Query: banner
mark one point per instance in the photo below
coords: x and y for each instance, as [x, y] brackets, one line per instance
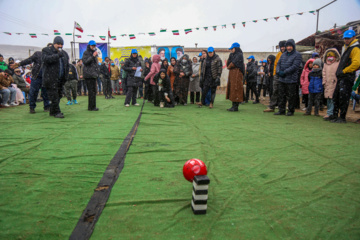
[170, 51]
[101, 48]
[119, 54]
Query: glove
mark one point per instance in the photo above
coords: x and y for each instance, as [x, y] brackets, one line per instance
[282, 74]
[60, 53]
[217, 81]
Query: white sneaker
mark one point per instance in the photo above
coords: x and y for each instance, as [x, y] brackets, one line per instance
[13, 104]
[162, 104]
[5, 105]
[127, 105]
[304, 109]
[136, 104]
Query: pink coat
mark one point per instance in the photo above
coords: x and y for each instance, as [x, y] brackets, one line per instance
[329, 74]
[155, 68]
[304, 79]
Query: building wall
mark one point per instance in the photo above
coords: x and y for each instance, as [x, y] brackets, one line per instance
[224, 55]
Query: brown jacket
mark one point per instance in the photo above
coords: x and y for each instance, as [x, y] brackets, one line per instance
[80, 71]
[4, 83]
[115, 73]
[235, 89]
[171, 74]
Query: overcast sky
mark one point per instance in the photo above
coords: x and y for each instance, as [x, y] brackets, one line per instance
[136, 16]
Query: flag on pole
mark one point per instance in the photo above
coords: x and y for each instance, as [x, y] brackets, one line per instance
[233, 25]
[132, 36]
[68, 34]
[214, 27]
[152, 34]
[78, 36]
[206, 28]
[91, 35]
[189, 30]
[102, 37]
[276, 18]
[313, 12]
[109, 35]
[243, 23]
[56, 32]
[265, 19]
[78, 27]
[7, 33]
[32, 35]
[300, 13]
[113, 38]
[287, 17]
[223, 26]
[255, 21]
[163, 30]
[175, 32]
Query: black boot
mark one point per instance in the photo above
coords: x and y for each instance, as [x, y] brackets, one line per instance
[232, 108]
[236, 107]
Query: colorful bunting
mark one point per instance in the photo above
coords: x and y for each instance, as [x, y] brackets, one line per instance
[276, 18]
[287, 17]
[163, 30]
[175, 32]
[78, 36]
[132, 36]
[19, 33]
[313, 12]
[265, 19]
[7, 33]
[113, 38]
[78, 27]
[233, 25]
[197, 28]
[68, 34]
[45, 34]
[56, 32]
[32, 35]
[152, 34]
[214, 27]
[206, 28]
[188, 31]
[223, 26]
[102, 37]
[255, 21]
[90, 35]
[300, 13]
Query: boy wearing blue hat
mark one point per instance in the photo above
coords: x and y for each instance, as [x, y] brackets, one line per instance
[349, 63]
[251, 79]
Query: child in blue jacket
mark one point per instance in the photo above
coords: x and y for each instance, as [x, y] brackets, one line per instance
[315, 87]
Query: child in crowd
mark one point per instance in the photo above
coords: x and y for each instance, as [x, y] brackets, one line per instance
[315, 87]
[163, 84]
[304, 81]
[331, 63]
[27, 76]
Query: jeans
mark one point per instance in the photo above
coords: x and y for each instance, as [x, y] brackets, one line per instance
[115, 86]
[98, 84]
[36, 85]
[8, 93]
[330, 106]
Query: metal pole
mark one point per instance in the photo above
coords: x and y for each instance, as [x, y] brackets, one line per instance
[318, 12]
[108, 47]
[74, 43]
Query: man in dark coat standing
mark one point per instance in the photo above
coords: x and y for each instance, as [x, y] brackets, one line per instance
[55, 73]
[91, 73]
[105, 71]
[251, 79]
[131, 66]
[36, 82]
[288, 71]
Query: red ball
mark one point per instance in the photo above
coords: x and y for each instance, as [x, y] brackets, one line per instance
[194, 167]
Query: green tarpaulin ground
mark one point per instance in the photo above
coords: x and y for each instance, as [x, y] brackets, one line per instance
[272, 177]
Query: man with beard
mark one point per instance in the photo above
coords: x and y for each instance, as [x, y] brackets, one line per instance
[131, 65]
[36, 82]
[105, 71]
[55, 73]
[91, 73]
[251, 79]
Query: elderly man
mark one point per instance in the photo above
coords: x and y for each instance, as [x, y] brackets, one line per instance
[55, 73]
[288, 71]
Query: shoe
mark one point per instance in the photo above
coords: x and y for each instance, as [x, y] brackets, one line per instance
[162, 104]
[304, 109]
[211, 105]
[59, 115]
[279, 113]
[316, 115]
[69, 102]
[290, 114]
[94, 109]
[256, 102]
[75, 102]
[22, 103]
[269, 110]
[13, 104]
[307, 114]
[136, 104]
[5, 105]
[32, 111]
[185, 104]
[330, 118]
[127, 105]
[339, 120]
[46, 110]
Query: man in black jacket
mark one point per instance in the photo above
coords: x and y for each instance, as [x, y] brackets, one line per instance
[105, 75]
[91, 73]
[55, 73]
[131, 65]
[36, 82]
[251, 79]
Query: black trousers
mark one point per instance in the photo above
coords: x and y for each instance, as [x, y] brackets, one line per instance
[91, 86]
[131, 95]
[81, 85]
[274, 99]
[287, 92]
[314, 99]
[305, 99]
[204, 93]
[155, 93]
[106, 83]
[192, 97]
[252, 86]
[148, 91]
[55, 94]
[341, 97]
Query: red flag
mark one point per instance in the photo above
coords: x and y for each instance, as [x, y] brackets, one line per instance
[109, 33]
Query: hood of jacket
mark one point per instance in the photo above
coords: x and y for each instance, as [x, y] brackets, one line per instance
[311, 60]
[272, 58]
[292, 43]
[335, 51]
[156, 58]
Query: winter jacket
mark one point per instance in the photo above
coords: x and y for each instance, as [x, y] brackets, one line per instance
[80, 71]
[315, 82]
[115, 73]
[36, 60]
[155, 68]
[105, 70]
[90, 63]
[216, 70]
[163, 84]
[194, 85]
[329, 73]
[3, 66]
[142, 63]
[5, 83]
[262, 79]
[51, 67]
[19, 81]
[289, 65]
[185, 68]
[131, 62]
[251, 71]
[73, 75]
[350, 61]
[277, 58]
[304, 79]
[170, 73]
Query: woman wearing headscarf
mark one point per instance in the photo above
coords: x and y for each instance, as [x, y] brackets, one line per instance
[162, 82]
[194, 87]
[165, 64]
[235, 88]
[183, 71]
[211, 70]
[170, 72]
